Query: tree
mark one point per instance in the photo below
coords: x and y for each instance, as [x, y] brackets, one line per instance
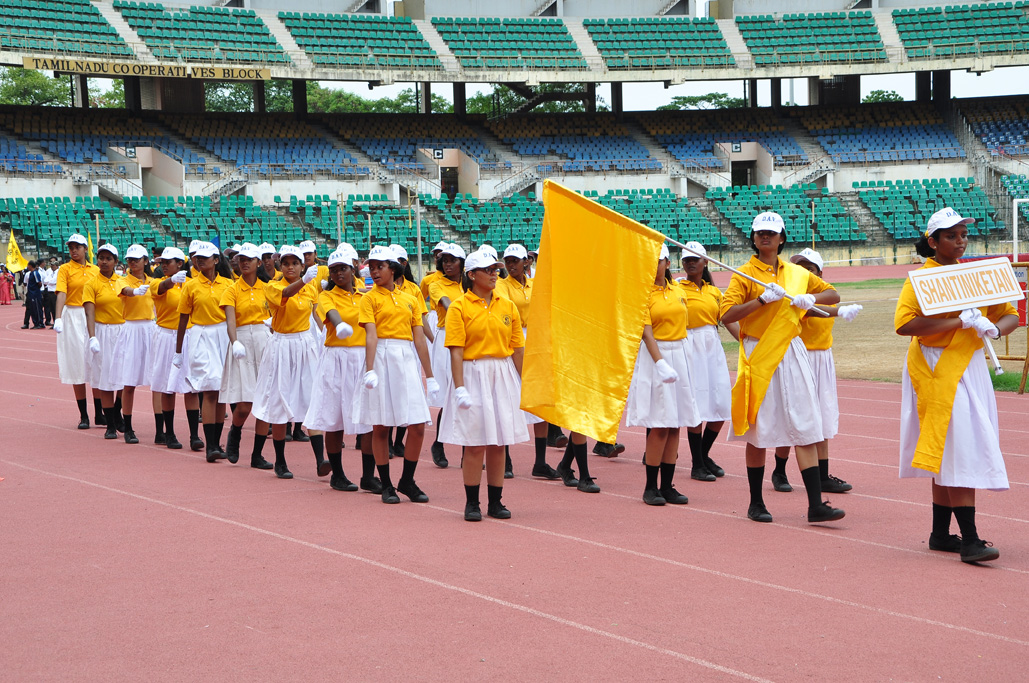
[882, 96]
[228, 96]
[110, 97]
[712, 100]
[26, 87]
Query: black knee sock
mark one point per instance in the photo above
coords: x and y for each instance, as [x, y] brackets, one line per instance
[541, 452]
[235, 434]
[336, 460]
[813, 484]
[710, 436]
[756, 477]
[218, 427]
[667, 474]
[780, 465]
[399, 440]
[318, 446]
[83, 411]
[169, 422]
[493, 493]
[367, 465]
[581, 461]
[117, 405]
[439, 421]
[258, 451]
[112, 419]
[566, 460]
[823, 469]
[127, 419]
[696, 448]
[471, 494]
[384, 475]
[232, 408]
[652, 471]
[941, 520]
[98, 408]
[280, 452]
[211, 437]
[966, 522]
[193, 418]
[159, 423]
[409, 467]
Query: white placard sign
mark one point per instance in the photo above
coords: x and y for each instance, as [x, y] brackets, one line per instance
[966, 285]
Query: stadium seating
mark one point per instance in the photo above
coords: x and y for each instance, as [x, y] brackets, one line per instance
[659, 42]
[14, 158]
[64, 26]
[206, 34]
[517, 218]
[740, 204]
[874, 133]
[663, 211]
[819, 37]
[360, 40]
[1018, 187]
[1002, 124]
[390, 224]
[393, 139]
[904, 207]
[513, 43]
[963, 30]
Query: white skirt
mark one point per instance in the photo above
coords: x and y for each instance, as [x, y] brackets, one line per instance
[709, 370]
[399, 398]
[239, 378]
[971, 455]
[317, 335]
[72, 346]
[432, 319]
[164, 377]
[132, 354]
[206, 360]
[339, 374]
[439, 356]
[651, 402]
[530, 419]
[101, 366]
[494, 418]
[789, 414]
[285, 378]
[824, 368]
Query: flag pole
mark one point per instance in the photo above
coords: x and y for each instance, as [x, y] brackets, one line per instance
[718, 263]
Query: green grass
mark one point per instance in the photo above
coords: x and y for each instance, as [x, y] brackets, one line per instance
[731, 348]
[1009, 381]
[888, 283]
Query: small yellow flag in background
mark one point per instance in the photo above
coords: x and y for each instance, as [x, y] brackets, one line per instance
[593, 280]
[89, 247]
[15, 261]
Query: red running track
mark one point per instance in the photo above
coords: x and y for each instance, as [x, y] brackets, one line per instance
[134, 562]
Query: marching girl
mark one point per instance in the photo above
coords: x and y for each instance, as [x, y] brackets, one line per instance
[104, 321]
[442, 292]
[133, 349]
[286, 373]
[391, 390]
[709, 369]
[437, 252]
[309, 254]
[245, 311]
[957, 441]
[200, 304]
[70, 325]
[484, 335]
[774, 400]
[816, 333]
[660, 395]
[268, 260]
[340, 372]
[165, 379]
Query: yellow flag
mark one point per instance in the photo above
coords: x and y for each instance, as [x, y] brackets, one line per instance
[15, 261]
[89, 247]
[594, 277]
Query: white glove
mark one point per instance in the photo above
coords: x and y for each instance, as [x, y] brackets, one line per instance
[984, 328]
[141, 290]
[177, 360]
[371, 380]
[849, 312]
[267, 322]
[464, 399]
[804, 301]
[179, 277]
[666, 372]
[94, 344]
[773, 292]
[325, 284]
[310, 274]
[432, 387]
[239, 351]
[968, 317]
[58, 326]
[343, 331]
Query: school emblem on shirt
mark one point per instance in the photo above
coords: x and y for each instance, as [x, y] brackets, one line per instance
[507, 321]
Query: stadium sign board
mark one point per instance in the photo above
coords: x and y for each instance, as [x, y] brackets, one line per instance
[965, 285]
[122, 69]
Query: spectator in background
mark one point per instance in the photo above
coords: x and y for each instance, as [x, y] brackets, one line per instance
[48, 271]
[6, 286]
[33, 298]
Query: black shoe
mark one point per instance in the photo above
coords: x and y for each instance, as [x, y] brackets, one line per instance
[411, 490]
[702, 474]
[759, 513]
[608, 450]
[289, 437]
[978, 551]
[298, 435]
[159, 439]
[672, 496]
[398, 448]
[111, 432]
[586, 485]
[439, 456]
[392, 453]
[282, 472]
[947, 544]
[232, 447]
[508, 468]
[389, 495]
[324, 468]
[557, 439]
[259, 463]
[472, 513]
[780, 483]
[24, 327]
[545, 471]
[371, 484]
[171, 442]
[496, 510]
[824, 513]
[713, 467]
[215, 453]
[84, 423]
[196, 443]
[130, 437]
[567, 475]
[342, 484]
[835, 485]
[100, 420]
[119, 424]
[652, 497]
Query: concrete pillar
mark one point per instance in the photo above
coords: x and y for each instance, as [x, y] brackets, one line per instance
[776, 88]
[460, 99]
[941, 86]
[80, 90]
[133, 94]
[923, 86]
[814, 90]
[260, 102]
[185, 95]
[751, 92]
[591, 98]
[299, 98]
[617, 105]
[425, 99]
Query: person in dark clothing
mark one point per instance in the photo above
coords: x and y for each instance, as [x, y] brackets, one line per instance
[33, 298]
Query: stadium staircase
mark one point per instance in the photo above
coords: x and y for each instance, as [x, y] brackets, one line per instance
[734, 238]
[279, 31]
[436, 42]
[867, 222]
[656, 151]
[582, 38]
[211, 159]
[737, 46]
[115, 19]
[820, 162]
[378, 172]
[890, 37]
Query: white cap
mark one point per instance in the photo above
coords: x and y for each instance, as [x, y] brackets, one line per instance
[249, 250]
[77, 239]
[440, 246]
[173, 252]
[345, 245]
[343, 255]
[697, 247]
[945, 218]
[194, 245]
[136, 251]
[488, 248]
[454, 250]
[266, 248]
[664, 253]
[307, 247]
[399, 251]
[534, 251]
[808, 254]
[769, 220]
[235, 248]
[480, 259]
[515, 251]
[108, 247]
[382, 253]
[206, 249]
[290, 250]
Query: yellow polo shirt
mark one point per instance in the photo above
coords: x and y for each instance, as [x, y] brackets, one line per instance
[443, 287]
[249, 302]
[491, 330]
[102, 292]
[703, 303]
[666, 313]
[741, 291]
[137, 307]
[291, 315]
[427, 282]
[71, 278]
[517, 293]
[167, 305]
[394, 314]
[816, 332]
[415, 292]
[348, 305]
[201, 299]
